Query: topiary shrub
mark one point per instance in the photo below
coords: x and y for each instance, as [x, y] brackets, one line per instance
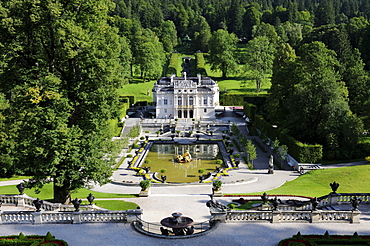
[147, 161]
[200, 171]
[145, 184]
[129, 156]
[219, 161]
[163, 170]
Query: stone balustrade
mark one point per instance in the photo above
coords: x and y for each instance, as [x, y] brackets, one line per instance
[277, 216]
[27, 201]
[52, 217]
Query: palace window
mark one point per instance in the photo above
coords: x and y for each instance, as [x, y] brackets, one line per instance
[191, 101]
[179, 101]
[165, 101]
[205, 101]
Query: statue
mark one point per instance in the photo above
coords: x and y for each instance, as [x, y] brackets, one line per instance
[76, 203]
[264, 198]
[38, 204]
[189, 230]
[275, 203]
[90, 198]
[334, 186]
[315, 203]
[355, 202]
[165, 232]
[215, 205]
[21, 188]
[163, 178]
[183, 158]
[271, 165]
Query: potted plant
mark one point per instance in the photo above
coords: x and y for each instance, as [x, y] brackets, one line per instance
[145, 184]
[216, 189]
[211, 132]
[158, 132]
[178, 133]
[190, 133]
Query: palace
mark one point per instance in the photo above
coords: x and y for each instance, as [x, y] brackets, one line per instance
[186, 97]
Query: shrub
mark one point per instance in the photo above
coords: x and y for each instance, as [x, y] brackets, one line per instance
[147, 132]
[135, 146]
[163, 170]
[142, 138]
[145, 184]
[237, 155]
[200, 171]
[129, 156]
[219, 161]
[147, 161]
[217, 184]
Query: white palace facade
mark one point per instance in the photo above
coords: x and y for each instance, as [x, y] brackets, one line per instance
[186, 97]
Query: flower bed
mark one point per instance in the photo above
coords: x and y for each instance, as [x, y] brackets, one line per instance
[31, 240]
[325, 239]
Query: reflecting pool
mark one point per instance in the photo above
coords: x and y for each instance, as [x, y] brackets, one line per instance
[162, 156]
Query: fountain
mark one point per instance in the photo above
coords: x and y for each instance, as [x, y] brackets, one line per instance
[183, 158]
[179, 224]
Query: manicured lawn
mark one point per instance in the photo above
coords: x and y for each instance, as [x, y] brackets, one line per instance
[139, 89]
[47, 193]
[15, 178]
[316, 183]
[115, 204]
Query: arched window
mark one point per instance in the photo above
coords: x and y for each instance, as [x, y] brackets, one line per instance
[191, 101]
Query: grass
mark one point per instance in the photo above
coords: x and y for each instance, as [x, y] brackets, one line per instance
[46, 194]
[139, 89]
[316, 183]
[15, 178]
[115, 204]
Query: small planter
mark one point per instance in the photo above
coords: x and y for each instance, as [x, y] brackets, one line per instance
[144, 193]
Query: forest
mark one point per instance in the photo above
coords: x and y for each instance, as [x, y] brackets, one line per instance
[62, 63]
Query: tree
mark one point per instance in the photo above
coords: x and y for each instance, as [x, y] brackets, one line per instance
[202, 34]
[167, 34]
[250, 149]
[252, 17]
[260, 58]
[61, 67]
[317, 110]
[222, 52]
[150, 56]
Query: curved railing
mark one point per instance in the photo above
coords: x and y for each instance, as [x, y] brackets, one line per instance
[154, 229]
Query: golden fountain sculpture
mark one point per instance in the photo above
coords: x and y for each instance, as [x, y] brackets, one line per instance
[183, 158]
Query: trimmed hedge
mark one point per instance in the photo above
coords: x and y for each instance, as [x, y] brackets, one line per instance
[201, 67]
[250, 111]
[173, 64]
[303, 153]
[232, 99]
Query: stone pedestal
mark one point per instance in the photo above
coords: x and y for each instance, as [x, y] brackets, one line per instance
[216, 193]
[133, 215]
[265, 206]
[20, 200]
[37, 218]
[76, 217]
[221, 216]
[275, 216]
[355, 217]
[315, 216]
[144, 193]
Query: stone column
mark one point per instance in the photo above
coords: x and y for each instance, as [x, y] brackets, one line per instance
[133, 215]
[275, 216]
[355, 217]
[37, 217]
[315, 216]
[20, 200]
[76, 217]
[1, 217]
